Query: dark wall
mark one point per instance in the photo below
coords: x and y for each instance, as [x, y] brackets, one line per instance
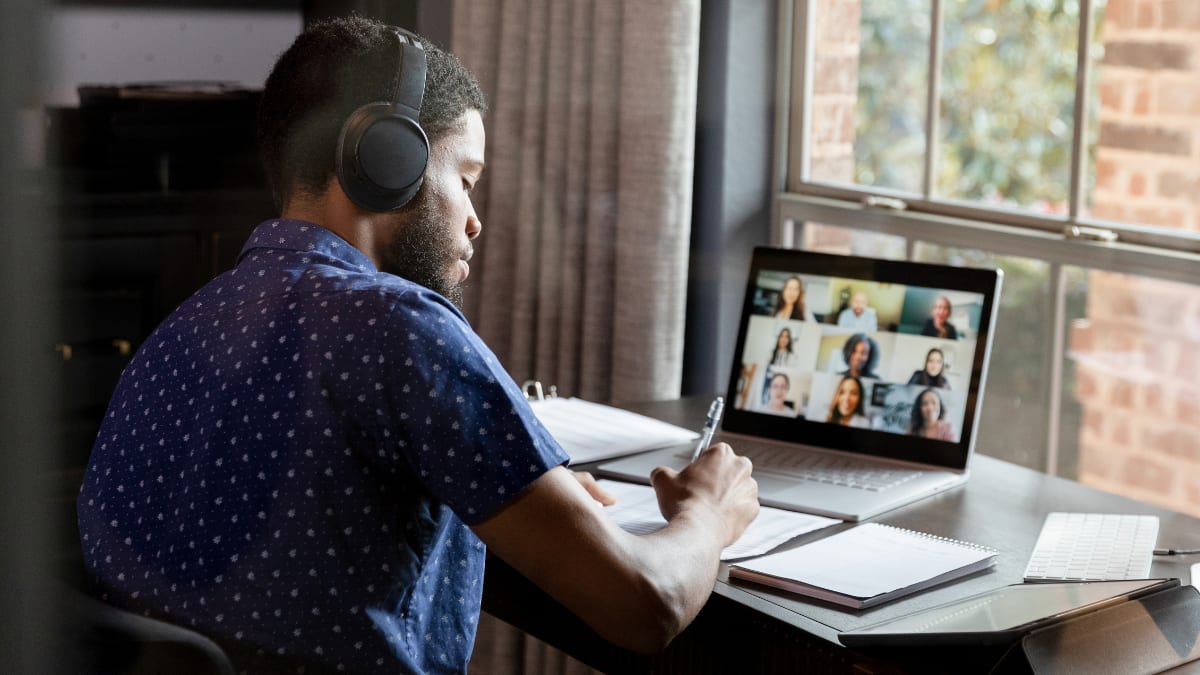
[430, 18]
[731, 207]
[397, 12]
[27, 634]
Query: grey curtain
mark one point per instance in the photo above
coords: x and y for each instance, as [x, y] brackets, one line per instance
[579, 277]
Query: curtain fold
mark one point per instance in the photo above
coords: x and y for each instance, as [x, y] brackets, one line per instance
[579, 277]
[654, 195]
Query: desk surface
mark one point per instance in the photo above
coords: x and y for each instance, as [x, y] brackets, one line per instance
[1002, 506]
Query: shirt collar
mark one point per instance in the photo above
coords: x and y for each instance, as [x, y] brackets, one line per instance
[300, 235]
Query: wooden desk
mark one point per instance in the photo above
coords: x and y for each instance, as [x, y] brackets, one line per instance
[746, 628]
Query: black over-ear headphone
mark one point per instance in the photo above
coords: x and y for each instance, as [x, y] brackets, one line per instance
[382, 149]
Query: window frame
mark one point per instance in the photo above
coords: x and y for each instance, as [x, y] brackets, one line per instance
[1061, 241]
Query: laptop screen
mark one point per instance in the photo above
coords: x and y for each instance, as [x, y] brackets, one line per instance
[878, 357]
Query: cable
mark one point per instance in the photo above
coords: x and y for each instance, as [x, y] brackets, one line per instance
[1176, 551]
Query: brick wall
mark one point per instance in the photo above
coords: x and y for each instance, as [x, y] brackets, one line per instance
[834, 100]
[835, 89]
[1137, 353]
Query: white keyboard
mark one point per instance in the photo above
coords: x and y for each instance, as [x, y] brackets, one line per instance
[1093, 547]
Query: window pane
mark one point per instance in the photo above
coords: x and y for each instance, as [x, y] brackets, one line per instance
[848, 241]
[1148, 95]
[1013, 423]
[1133, 353]
[1007, 96]
[870, 83]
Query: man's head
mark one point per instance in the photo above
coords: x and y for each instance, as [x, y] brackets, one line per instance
[332, 69]
[858, 302]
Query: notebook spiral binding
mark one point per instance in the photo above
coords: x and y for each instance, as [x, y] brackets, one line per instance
[948, 540]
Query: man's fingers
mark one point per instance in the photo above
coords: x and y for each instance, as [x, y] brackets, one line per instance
[592, 486]
[661, 473]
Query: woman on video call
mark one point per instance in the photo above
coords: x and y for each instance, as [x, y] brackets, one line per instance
[847, 405]
[860, 354]
[778, 386]
[938, 324]
[934, 373]
[782, 354]
[790, 302]
[928, 415]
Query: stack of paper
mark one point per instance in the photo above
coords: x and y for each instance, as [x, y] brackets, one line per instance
[591, 432]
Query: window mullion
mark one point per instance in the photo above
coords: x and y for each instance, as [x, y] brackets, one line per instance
[934, 89]
[970, 232]
[1057, 341]
[805, 18]
[1079, 139]
[785, 59]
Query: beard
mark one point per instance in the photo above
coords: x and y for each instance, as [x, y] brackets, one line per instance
[423, 251]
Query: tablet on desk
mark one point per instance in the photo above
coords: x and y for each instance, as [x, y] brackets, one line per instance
[1002, 615]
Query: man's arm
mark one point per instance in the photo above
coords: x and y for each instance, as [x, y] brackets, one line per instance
[638, 592]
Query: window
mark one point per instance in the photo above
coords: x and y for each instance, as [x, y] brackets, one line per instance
[1056, 139]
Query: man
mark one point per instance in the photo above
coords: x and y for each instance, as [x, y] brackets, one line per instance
[858, 315]
[306, 459]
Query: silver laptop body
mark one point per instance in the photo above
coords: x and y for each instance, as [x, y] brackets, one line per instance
[837, 428]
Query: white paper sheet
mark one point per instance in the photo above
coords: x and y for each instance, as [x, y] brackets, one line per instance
[637, 511]
[592, 431]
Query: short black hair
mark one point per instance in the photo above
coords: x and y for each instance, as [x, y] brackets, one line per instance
[335, 66]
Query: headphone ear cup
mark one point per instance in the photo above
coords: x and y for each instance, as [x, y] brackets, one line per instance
[381, 157]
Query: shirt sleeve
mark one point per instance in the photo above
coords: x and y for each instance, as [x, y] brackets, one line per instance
[462, 422]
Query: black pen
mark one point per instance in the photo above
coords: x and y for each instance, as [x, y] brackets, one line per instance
[710, 425]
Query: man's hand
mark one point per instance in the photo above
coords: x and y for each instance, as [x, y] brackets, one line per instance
[637, 591]
[718, 481]
[588, 481]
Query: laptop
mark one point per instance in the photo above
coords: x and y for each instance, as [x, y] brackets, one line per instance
[855, 383]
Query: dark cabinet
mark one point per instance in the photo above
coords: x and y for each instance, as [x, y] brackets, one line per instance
[124, 267]
[155, 195]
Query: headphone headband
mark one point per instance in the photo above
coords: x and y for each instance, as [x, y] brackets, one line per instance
[409, 84]
[382, 150]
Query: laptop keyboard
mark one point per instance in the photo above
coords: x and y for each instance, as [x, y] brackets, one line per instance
[827, 468]
[1093, 547]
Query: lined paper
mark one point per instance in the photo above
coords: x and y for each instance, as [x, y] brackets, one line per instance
[637, 511]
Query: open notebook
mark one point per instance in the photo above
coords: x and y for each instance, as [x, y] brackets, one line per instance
[855, 384]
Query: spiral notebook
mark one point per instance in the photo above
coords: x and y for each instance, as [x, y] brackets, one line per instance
[866, 565]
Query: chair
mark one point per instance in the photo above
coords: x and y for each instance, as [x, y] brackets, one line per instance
[101, 639]
[107, 640]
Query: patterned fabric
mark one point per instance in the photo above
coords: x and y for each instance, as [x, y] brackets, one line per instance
[290, 462]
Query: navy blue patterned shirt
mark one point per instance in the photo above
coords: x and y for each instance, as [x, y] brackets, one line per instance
[290, 462]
